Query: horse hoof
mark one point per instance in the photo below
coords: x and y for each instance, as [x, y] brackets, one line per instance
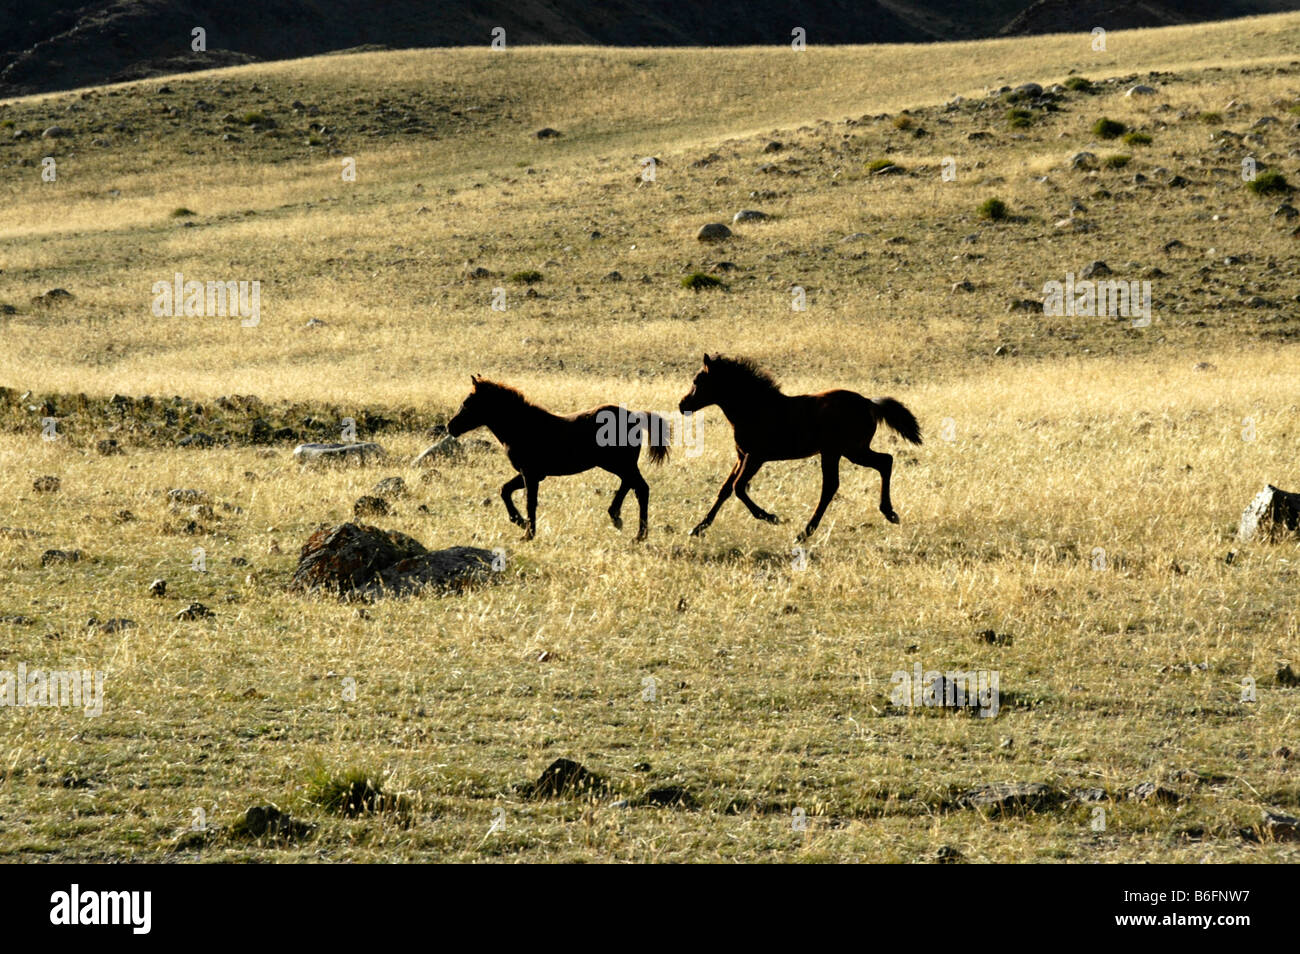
[699, 531]
[771, 518]
[640, 536]
[618, 522]
[890, 516]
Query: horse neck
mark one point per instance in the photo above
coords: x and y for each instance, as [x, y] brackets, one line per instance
[509, 422]
[740, 406]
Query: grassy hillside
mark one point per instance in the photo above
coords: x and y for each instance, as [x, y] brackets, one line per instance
[1047, 439]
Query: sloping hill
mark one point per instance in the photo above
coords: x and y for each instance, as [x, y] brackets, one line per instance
[65, 44]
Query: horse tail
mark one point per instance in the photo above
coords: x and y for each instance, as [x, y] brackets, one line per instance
[658, 439]
[899, 418]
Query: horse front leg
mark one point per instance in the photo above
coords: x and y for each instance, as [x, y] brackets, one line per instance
[530, 489]
[830, 484]
[507, 494]
[723, 494]
[747, 471]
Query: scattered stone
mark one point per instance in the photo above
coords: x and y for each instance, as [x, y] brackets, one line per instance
[449, 447]
[267, 821]
[195, 611]
[548, 133]
[49, 484]
[327, 453]
[108, 448]
[1140, 90]
[370, 507]
[965, 285]
[17, 620]
[54, 132]
[749, 215]
[1083, 160]
[390, 487]
[52, 557]
[667, 796]
[158, 588]
[566, 778]
[116, 625]
[1011, 798]
[184, 496]
[948, 855]
[1156, 794]
[713, 232]
[773, 146]
[55, 296]
[1281, 827]
[1286, 677]
[197, 439]
[1096, 269]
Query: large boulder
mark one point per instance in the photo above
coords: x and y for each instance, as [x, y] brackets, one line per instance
[343, 558]
[358, 560]
[1272, 513]
[449, 569]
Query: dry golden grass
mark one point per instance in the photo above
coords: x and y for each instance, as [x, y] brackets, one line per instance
[772, 682]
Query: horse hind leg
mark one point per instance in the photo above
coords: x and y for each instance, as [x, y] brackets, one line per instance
[642, 490]
[616, 505]
[830, 484]
[884, 465]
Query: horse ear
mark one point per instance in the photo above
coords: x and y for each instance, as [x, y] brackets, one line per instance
[474, 379]
[707, 360]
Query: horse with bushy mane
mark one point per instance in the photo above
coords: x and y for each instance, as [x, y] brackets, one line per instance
[770, 425]
[540, 444]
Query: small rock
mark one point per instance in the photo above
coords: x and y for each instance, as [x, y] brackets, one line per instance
[390, 487]
[195, 611]
[749, 215]
[370, 507]
[49, 484]
[713, 232]
[52, 557]
[565, 777]
[1281, 827]
[1151, 792]
[158, 588]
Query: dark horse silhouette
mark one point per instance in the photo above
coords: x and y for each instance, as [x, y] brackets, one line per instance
[770, 425]
[540, 444]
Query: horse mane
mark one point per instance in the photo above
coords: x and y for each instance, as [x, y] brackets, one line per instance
[501, 393]
[745, 370]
